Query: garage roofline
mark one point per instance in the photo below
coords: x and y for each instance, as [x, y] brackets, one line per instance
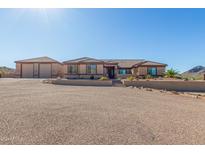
[43, 60]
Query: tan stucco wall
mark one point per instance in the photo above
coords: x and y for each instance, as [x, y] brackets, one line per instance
[142, 70]
[160, 70]
[35, 70]
[65, 69]
[82, 72]
[123, 76]
[192, 86]
[18, 70]
[88, 76]
[70, 76]
[100, 69]
[83, 82]
[82, 69]
[57, 70]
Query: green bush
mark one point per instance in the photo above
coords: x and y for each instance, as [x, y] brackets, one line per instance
[130, 78]
[171, 73]
[104, 78]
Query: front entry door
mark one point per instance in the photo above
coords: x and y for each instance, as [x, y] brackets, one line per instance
[111, 72]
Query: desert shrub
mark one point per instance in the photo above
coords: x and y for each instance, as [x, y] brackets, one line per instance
[171, 73]
[1, 74]
[199, 78]
[104, 78]
[149, 77]
[178, 76]
[186, 79]
[192, 78]
[130, 78]
[141, 77]
[189, 78]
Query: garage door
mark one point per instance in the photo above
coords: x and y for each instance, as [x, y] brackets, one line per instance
[27, 70]
[45, 71]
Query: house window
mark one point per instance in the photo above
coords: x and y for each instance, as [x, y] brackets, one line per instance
[91, 69]
[72, 69]
[125, 71]
[152, 71]
[122, 71]
[128, 71]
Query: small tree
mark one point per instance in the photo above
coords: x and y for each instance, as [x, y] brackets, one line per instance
[130, 78]
[171, 73]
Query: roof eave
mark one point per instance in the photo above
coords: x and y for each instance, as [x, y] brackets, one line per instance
[37, 62]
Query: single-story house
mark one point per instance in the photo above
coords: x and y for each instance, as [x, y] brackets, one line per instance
[113, 68]
[45, 67]
[42, 67]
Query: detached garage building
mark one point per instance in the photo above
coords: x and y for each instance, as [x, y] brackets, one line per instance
[42, 67]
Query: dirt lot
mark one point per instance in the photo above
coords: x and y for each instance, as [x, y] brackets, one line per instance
[35, 113]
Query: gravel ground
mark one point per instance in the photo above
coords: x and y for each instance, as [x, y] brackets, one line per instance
[35, 113]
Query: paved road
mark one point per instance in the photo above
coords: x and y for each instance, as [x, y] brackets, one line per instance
[35, 113]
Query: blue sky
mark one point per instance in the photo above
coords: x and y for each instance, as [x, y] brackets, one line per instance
[172, 36]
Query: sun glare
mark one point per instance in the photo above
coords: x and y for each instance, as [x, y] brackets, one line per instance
[44, 15]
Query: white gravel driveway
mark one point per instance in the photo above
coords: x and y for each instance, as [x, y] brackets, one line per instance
[35, 113]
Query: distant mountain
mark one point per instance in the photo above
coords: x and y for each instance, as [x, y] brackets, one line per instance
[196, 72]
[197, 69]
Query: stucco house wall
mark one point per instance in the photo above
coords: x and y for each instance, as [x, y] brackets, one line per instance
[57, 70]
[41, 67]
[160, 71]
[99, 68]
[35, 70]
[82, 71]
[18, 70]
[54, 68]
[142, 71]
[65, 69]
[189, 86]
